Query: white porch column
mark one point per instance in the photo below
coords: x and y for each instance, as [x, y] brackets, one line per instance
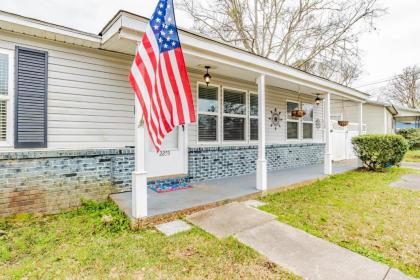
[359, 162]
[261, 162]
[328, 146]
[139, 184]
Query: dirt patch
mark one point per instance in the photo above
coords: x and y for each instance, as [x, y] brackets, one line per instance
[28, 200]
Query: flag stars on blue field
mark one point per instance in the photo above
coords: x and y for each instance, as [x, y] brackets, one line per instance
[163, 26]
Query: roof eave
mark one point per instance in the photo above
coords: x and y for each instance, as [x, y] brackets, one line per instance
[29, 26]
[198, 42]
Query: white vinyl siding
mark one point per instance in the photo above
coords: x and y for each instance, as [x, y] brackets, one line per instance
[90, 101]
[91, 104]
[390, 123]
[374, 118]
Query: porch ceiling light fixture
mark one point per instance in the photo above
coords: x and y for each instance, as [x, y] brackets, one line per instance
[207, 76]
[318, 99]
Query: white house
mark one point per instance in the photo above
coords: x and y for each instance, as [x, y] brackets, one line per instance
[67, 124]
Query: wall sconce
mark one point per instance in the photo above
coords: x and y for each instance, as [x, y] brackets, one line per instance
[317, 100]
[207, 76]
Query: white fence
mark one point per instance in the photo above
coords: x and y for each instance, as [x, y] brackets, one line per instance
[341, 140]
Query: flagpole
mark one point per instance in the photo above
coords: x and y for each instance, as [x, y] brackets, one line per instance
[139, 184]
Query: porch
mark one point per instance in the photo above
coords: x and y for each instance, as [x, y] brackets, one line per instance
[218, 191]
[252, 115]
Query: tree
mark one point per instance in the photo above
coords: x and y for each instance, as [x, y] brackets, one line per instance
[318, 36]
[404, 88]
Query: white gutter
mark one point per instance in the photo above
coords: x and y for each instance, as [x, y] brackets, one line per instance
[15, 23]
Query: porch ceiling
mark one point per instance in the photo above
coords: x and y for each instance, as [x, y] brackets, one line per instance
[122, 33]
[126, 42]
[223, 70]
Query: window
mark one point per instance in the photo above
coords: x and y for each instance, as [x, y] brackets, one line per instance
[5, 97]
[234, 115]
[308, 122]
[208, 113]
[292, 122]
[253, 116]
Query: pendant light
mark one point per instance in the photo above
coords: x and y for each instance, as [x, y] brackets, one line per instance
[317, 100]
[207, 76]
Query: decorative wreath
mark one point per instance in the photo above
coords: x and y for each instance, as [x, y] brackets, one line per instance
[318, 124]
[275, 118]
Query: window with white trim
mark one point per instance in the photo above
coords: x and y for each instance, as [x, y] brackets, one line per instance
[292, 122]
[308, 121]
[208, 113]
[253, 116]
[6, 96]
[234, 115]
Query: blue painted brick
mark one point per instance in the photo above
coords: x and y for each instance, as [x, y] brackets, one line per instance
[219, 162]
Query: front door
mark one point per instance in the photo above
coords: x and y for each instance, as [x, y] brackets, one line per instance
[171, 160]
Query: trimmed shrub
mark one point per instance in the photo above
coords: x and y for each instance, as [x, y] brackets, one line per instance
[412, 136]
[380, 151]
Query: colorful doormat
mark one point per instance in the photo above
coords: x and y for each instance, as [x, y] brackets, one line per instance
[164, 188]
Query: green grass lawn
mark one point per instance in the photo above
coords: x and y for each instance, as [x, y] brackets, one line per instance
[359, 211]
[78, 245]
[413, 156]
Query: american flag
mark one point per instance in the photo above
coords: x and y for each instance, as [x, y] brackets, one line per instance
[159, 76]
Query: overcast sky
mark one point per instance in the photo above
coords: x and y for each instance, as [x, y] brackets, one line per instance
[394, 45]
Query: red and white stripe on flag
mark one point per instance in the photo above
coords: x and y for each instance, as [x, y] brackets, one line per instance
[159, 76]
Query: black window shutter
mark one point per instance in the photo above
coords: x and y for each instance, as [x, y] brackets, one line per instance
[31, 98]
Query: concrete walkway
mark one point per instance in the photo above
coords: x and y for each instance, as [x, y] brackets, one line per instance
[414, 165]
[408, 181]
[290, 248]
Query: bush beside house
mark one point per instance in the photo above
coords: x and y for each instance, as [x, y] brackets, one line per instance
[412, 136]
[380, 151]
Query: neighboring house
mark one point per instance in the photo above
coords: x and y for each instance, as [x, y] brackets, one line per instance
[67, 114]
[407, 118]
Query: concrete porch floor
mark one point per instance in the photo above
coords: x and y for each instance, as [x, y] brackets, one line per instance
[214, 191]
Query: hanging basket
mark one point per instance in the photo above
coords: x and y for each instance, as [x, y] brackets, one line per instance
[298, 113]
[343, 123]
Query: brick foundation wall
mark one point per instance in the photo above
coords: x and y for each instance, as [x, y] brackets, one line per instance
[50, 181]
[206, 163]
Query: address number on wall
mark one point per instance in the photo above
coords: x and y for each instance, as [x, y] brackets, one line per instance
[164, 153]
